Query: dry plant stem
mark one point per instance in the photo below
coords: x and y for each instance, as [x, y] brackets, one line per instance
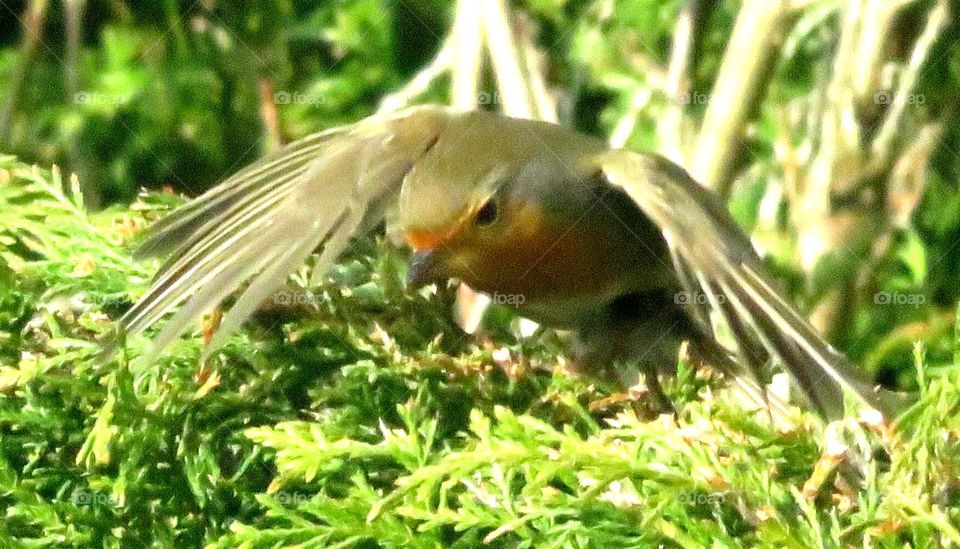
[460, 55]
[505, 57]
[655, 80]
[837, 148]
[419, 84]
[744, 74]
[841, 164]
[74, 29]
[34, 20]
[937, 20]
[467, 40]
[686, 35]
[625, 126]
[534, 62]
[876, 19]
[641, 97]
[268, 113]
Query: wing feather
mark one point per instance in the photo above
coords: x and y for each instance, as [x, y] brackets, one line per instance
[260, 224]
[712, 253]
[254, 181]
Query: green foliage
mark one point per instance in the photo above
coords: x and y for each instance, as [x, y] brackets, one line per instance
[352, 424]
[169, 98]
[340, 417]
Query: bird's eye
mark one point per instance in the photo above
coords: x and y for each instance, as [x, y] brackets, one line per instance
[487, 214]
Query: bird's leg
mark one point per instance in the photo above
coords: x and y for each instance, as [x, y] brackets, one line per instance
[636, 333]
[658, 399]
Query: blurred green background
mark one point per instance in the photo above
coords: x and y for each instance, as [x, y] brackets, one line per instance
[356, 424]
[166, 94]
[177, 95]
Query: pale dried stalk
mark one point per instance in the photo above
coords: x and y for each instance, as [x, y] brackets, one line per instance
[877, 18]
[625, 126]
[838, 146]
[269, 114]
[534, 62]
[756, 39]
[936, 22]
[504, 54]
[460, 56]
[468, 55]
[840, 163]
[676, 86]
[421, 82]
[836, 164]
[841, 166]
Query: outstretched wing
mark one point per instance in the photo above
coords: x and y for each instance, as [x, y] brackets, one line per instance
[713, 257]
[262, 223]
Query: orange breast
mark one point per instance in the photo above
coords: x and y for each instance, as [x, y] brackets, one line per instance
[544, 261]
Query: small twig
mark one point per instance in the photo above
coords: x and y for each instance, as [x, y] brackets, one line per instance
[624, 128]
[419, 84]
[268, 113]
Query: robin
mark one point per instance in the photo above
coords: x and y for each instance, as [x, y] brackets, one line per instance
[624, 249]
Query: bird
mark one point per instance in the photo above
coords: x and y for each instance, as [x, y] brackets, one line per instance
[622, 248]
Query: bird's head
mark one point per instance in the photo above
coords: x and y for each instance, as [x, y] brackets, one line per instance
[487, 195]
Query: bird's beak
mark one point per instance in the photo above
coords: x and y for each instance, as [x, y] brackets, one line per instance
[424, 269]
